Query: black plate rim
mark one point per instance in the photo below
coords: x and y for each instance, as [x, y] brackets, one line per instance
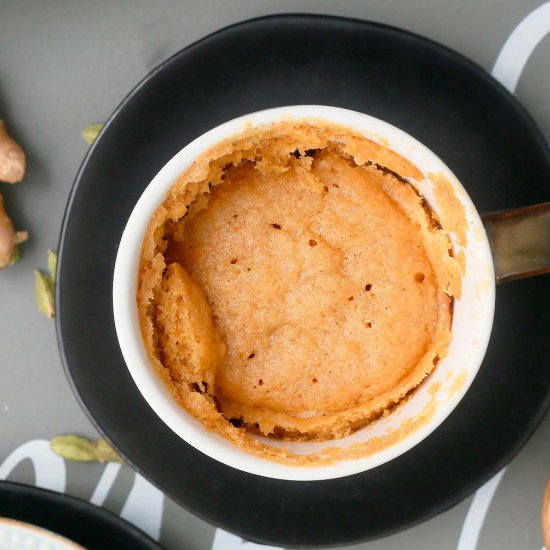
[469, 489]
[111, 520]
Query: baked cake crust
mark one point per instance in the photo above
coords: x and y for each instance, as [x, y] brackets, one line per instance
[294, 284]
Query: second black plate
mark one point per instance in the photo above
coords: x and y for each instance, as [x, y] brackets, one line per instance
[439, 97]
[90, 526]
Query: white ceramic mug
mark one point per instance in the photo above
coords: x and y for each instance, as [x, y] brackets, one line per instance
[471, 327]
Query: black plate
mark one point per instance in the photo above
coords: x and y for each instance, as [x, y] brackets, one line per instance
[436, 95]
[75, 519]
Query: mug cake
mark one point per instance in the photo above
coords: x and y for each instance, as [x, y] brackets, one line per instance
[295, 285]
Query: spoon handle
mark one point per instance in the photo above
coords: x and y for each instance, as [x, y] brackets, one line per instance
[520, 241]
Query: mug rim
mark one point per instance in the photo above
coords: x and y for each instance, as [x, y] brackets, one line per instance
[126, 319]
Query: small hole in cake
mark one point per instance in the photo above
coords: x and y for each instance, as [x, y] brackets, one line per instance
[196, 387]
[419, 277]
[260, 382]
[368, 325]
[256, 425]
[296, 154]
[435, 360]
[336, 185]
[312, 242]
[234, 215]
[325, 189]
[233, 261]
[205, 385]
[237, 422]
[311, 152]
[350, 299]
[251, 355]
[275, 226]
[314, 381]
[248, 269]
[367, 288]
[450, 252]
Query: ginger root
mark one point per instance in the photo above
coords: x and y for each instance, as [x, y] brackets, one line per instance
[12, 158]
[9, 238]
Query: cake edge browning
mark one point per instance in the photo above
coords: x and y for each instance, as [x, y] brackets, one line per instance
[155, 277]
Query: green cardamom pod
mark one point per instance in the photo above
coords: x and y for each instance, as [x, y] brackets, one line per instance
[44, 294]
[90, 133]
[52, 264]
[74, 447]
[106, 453]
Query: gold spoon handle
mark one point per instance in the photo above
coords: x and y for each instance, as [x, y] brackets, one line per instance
[520, 241]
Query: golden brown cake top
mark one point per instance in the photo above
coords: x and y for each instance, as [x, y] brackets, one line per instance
[293, 284]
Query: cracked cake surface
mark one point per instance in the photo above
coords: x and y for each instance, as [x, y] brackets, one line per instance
[294, 285]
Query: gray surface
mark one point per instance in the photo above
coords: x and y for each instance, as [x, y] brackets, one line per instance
[64, 65]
